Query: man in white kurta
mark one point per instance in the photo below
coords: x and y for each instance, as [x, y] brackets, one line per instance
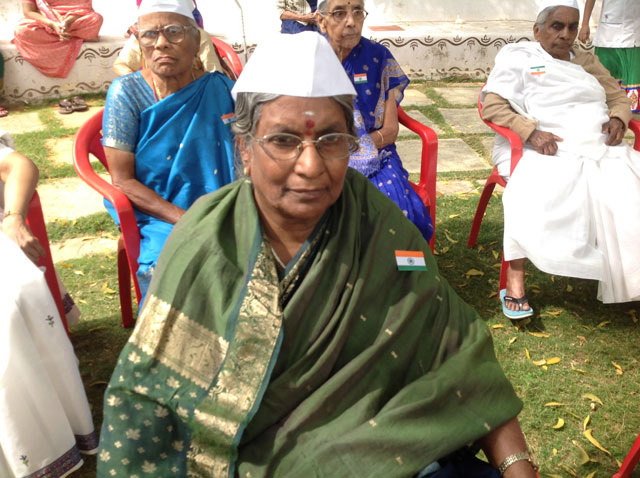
[572, 204]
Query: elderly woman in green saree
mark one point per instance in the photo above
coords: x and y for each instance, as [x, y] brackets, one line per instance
[297, 324]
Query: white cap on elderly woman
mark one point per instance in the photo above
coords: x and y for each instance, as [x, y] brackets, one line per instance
[303, 65]
[182, 7]
[558, 3]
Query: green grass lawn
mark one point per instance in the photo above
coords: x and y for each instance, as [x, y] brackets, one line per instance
[583, 336]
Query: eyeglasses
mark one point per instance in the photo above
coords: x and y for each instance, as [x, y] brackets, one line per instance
[172, 33]
[340, 16]
[288, 147]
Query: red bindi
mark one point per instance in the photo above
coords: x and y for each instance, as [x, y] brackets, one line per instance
[309, 124]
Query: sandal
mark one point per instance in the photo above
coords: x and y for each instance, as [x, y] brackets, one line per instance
[78, 104]
[514, 314]
[65, 107]
[3, 112]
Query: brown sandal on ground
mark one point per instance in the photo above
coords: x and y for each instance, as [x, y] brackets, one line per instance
[65, 107]
[78, 104]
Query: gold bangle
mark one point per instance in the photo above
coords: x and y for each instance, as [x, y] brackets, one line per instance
[381, 136]
[511, 459]
[12, 213]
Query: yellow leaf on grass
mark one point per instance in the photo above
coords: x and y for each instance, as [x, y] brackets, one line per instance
[569, 288]
[541, 335]
[553, 360]
[592, 397]
[602, 324]
[497, 326]
[496, 254]
[554, 404]
[556, 312]
[444, 250]
[107, 290]
[527, 354]
[579, 370]
[473, 273]
[586, 422]
[569, 470]
[540, 363]
[78, 273]
[559, 424]
[591, 475]
[512, 340]
[589, 436]
[449, 238]
[493, 294]
[574, 415]
[82, 301]
[451, 216]
[65, 265]
[554, 451]
[584, 456]
[633, 315]
[618, 367]
[582, 337]
[553, 475]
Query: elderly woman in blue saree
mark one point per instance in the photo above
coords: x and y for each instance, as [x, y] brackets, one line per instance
[297, 15]
[166, 129]
[380, 83]
[297, 324]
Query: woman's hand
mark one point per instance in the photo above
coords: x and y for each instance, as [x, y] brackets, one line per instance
[583, 35]
[17, 230]
[60, 29]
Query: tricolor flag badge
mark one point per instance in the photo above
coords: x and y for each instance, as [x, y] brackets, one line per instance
[410, 261]
[228, 118]
[537, 70]
[360, 78]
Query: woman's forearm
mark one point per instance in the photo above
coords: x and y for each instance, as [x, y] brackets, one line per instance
[504, 441]
[20, 176]
[148, 201]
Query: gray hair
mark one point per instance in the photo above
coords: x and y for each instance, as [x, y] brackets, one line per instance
[249, 110]
[323, 6]
[544, 14]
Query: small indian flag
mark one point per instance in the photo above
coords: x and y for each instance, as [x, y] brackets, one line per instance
[360, 78]
[410, 261]
[228, 118]
[537, 70]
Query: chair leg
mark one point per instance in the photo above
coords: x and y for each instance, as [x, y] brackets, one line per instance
[482, 207]
[124, 286]
[630, 462]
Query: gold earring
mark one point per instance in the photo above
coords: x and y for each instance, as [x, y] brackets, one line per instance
[246, 171]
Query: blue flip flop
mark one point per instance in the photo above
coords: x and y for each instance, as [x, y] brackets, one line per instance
[514, 314]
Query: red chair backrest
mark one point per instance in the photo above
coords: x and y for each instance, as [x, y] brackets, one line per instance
[228, 56]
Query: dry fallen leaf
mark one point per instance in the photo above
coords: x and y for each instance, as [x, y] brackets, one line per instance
[78, 273]
[633, 315]
[451, 216]
[553, 360]
[555, 313]
[603, 323]
[554, 404]
[493, 294]
[473, 273]
[591, 475]
[512, 340]
[542, 335]
[618, 367]
[449, 238]
[496, 254]
[582, 337]
[589, 435]
[539, 363]
[65, 265]
[569, 288]
[527, 354]
[559, 424]
[579, 370]
[586, 422]
[592, 397]
[569, 470]
[584, 456]
[498, 326]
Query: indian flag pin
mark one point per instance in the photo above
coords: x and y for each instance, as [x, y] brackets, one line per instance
[360, 78]
[537, 70]
[410, 261]
[228, 118]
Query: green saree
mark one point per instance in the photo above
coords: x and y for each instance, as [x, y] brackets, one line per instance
[346, 367]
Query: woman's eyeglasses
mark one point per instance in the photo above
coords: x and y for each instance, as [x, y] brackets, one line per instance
[172, 33]
[340, 16]
[288, 147]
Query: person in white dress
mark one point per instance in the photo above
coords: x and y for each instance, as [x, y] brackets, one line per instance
[572, 203]
[45, 420]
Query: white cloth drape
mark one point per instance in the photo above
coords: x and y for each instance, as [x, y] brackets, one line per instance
[45, 419]
[575, 213]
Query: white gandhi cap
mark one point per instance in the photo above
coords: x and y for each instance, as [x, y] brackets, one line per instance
[182, 7]
[556, 3]
[302, 65]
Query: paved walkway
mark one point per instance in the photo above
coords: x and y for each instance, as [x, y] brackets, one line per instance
[70, 198]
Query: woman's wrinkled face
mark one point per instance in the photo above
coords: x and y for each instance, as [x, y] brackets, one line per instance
[343, 33]
[166, 58]
[300, 189]
[559, 32]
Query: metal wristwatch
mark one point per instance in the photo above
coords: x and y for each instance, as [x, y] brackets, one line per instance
[511, 459]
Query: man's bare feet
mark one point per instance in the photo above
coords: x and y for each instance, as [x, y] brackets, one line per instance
[515, 285]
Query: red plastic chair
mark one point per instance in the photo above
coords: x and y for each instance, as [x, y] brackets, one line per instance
[35, 221]
[426, 186]
[495, 178]
[87, 141]
[633, 457]
[229, 58]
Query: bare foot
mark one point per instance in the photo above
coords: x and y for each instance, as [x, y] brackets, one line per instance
[515, 284]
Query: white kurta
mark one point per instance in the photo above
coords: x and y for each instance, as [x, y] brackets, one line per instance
[575, 213]
[45, 419]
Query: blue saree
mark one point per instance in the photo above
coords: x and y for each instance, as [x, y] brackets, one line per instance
[374, 73]
[183, 147]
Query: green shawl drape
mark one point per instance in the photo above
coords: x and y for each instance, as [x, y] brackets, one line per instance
[363, 371]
